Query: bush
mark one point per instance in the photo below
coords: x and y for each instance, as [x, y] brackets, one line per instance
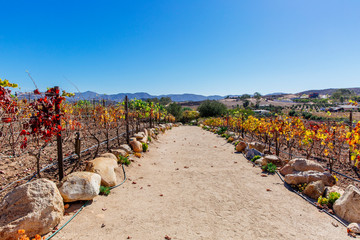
[145, 147]
[176, 110]
[255, 158]
[270, 167]
[211, 108]
[124, 160]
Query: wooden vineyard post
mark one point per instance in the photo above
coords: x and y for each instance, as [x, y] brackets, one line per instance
[77, 144]
[151, 112]
[127, 119]
[350, 129]
[58, 137]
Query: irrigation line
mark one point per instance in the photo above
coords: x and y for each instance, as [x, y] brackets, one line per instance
[85, 204]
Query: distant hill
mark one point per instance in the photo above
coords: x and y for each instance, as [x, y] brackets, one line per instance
[142, 95]
[329, 91]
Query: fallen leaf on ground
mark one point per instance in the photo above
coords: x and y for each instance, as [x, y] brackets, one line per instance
[268, 189]
[263, 175]
[186, 167]
[133, 182]
[149, 185]
[102, 225]
[161, 195]
[104, 209]
[335, 224]
[167, 237]
[128, 237]
[235, 162]
[176, 168]
[141, 188]
[139, 165]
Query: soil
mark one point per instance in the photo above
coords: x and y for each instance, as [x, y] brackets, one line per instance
[191, 185]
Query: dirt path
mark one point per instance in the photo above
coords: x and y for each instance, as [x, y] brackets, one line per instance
[219, 196]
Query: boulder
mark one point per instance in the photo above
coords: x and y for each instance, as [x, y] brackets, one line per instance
[139, 135]
[252, 153]
[347, 206]
[240, 147]
[120, 152]
[310, 176]
[109, 155]
[37, 207]
[272, 159]
[80, 186]
[143, 140]
[258, 146]
[105, 168]
[136, 146]
[314, 189]
[126, 148]
[354, 227]
[259, 161]
[300, 165]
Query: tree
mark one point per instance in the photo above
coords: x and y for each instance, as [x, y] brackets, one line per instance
[244, 96]
[211, 108]
[257, 96]
[165, 101]
[175, 109]
[246, 103]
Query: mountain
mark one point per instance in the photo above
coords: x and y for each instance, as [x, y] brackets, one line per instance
[142, 95]
[329, 91]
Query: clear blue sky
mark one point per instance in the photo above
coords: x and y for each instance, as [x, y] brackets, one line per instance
[184, 46]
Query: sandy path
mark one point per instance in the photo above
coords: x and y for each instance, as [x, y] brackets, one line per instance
[215, 198]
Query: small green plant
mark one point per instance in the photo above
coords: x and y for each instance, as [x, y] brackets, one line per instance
[145, 147]
[323, 200]
[149, 139]
[270, 167]
[124, 160]
[300, 187]
[236, 143]
[255, 158]
[104, 190]
[333, 196]
[221, 130]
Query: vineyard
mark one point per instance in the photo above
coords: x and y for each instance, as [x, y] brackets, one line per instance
[334, 144]
[48, 136]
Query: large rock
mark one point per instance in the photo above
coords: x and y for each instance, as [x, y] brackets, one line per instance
[37, 207]
[126, 148]
[348, 205]
[300, 165]
[105, 168]
[139, 135]
[136, 146]
[272, 159]
[109, 155]
[120, 152]
[252, 153]
[314, 189]
[258, 146]
[310, 176]
[240, 147]
[80, 186]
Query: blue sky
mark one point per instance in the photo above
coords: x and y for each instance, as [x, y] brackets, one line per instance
[204, 47]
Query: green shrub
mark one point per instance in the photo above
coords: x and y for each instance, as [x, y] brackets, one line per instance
[124, 160]
[255, 158]
[104, 190]
[270, 167]
[145, 147]
[333, 196]
[149, 138]
[175, 109]
[211, 108]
